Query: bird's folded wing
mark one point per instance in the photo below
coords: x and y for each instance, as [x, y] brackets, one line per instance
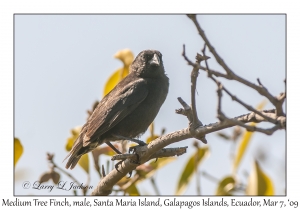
[114, 108]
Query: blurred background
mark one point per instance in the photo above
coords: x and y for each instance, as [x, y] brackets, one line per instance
[62, 63]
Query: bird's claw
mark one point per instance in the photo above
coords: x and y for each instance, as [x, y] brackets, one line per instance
[120, 163]
[117, 165]
[130, 173]
[132, 149]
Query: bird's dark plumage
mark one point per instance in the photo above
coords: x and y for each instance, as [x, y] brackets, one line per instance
[128, 109]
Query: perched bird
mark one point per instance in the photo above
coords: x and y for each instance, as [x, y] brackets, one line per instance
[128, 109]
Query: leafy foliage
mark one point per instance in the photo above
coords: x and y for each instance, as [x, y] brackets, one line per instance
[259, 183]
[245, 142]
[190, 167]
[226, 186]
[18, 150]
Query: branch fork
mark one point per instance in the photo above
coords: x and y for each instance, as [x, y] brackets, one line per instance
[155, 149]
[190, 111]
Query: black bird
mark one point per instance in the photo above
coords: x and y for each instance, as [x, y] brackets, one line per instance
[128, 109]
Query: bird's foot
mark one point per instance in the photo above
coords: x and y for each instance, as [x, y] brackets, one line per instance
[120, 163]
[123, 157]
[132, 149]
[117, 165]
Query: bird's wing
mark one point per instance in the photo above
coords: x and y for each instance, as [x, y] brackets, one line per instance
[114, 108]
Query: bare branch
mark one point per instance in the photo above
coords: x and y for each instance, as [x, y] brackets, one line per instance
[234, 98]
[268, 131]
[246, 118]
[194, 120]
[231, 75]
[187, 110]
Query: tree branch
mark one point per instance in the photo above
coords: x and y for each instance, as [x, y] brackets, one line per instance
[106, 184]
[196, 129]
[232, 76]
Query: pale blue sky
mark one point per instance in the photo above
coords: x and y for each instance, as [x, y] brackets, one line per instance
[63, 61]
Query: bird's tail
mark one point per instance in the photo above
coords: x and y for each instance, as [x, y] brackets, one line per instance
[76, 151]
[73, 160]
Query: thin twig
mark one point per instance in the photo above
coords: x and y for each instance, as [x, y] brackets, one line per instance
[210, 177]
[63, 171]
[154, 186]
[234, 98]
[103, 171]
[259, 88]
[54, 165]
[194, 120]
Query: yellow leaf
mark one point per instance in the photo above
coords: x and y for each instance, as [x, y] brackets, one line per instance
[114, 79]
[161, 162]
[18, 150]
[146, 171]
[70, 141]
[189, 169]
[259, 183]
[132, 190]
[225, 186]
[151, 128]
[151, 138]
[152, 135]
[104, 150]
[126, 56]
[84, 163]
[245, 142]
[123, 181]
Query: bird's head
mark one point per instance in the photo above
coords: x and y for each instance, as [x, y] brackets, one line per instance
[148, 63]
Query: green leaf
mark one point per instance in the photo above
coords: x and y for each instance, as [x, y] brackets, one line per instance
[225, 186]
[243, 145]
[189, 169]
[259, 183]
[18, 150]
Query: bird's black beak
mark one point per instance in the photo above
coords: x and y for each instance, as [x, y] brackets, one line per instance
[155, 60]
